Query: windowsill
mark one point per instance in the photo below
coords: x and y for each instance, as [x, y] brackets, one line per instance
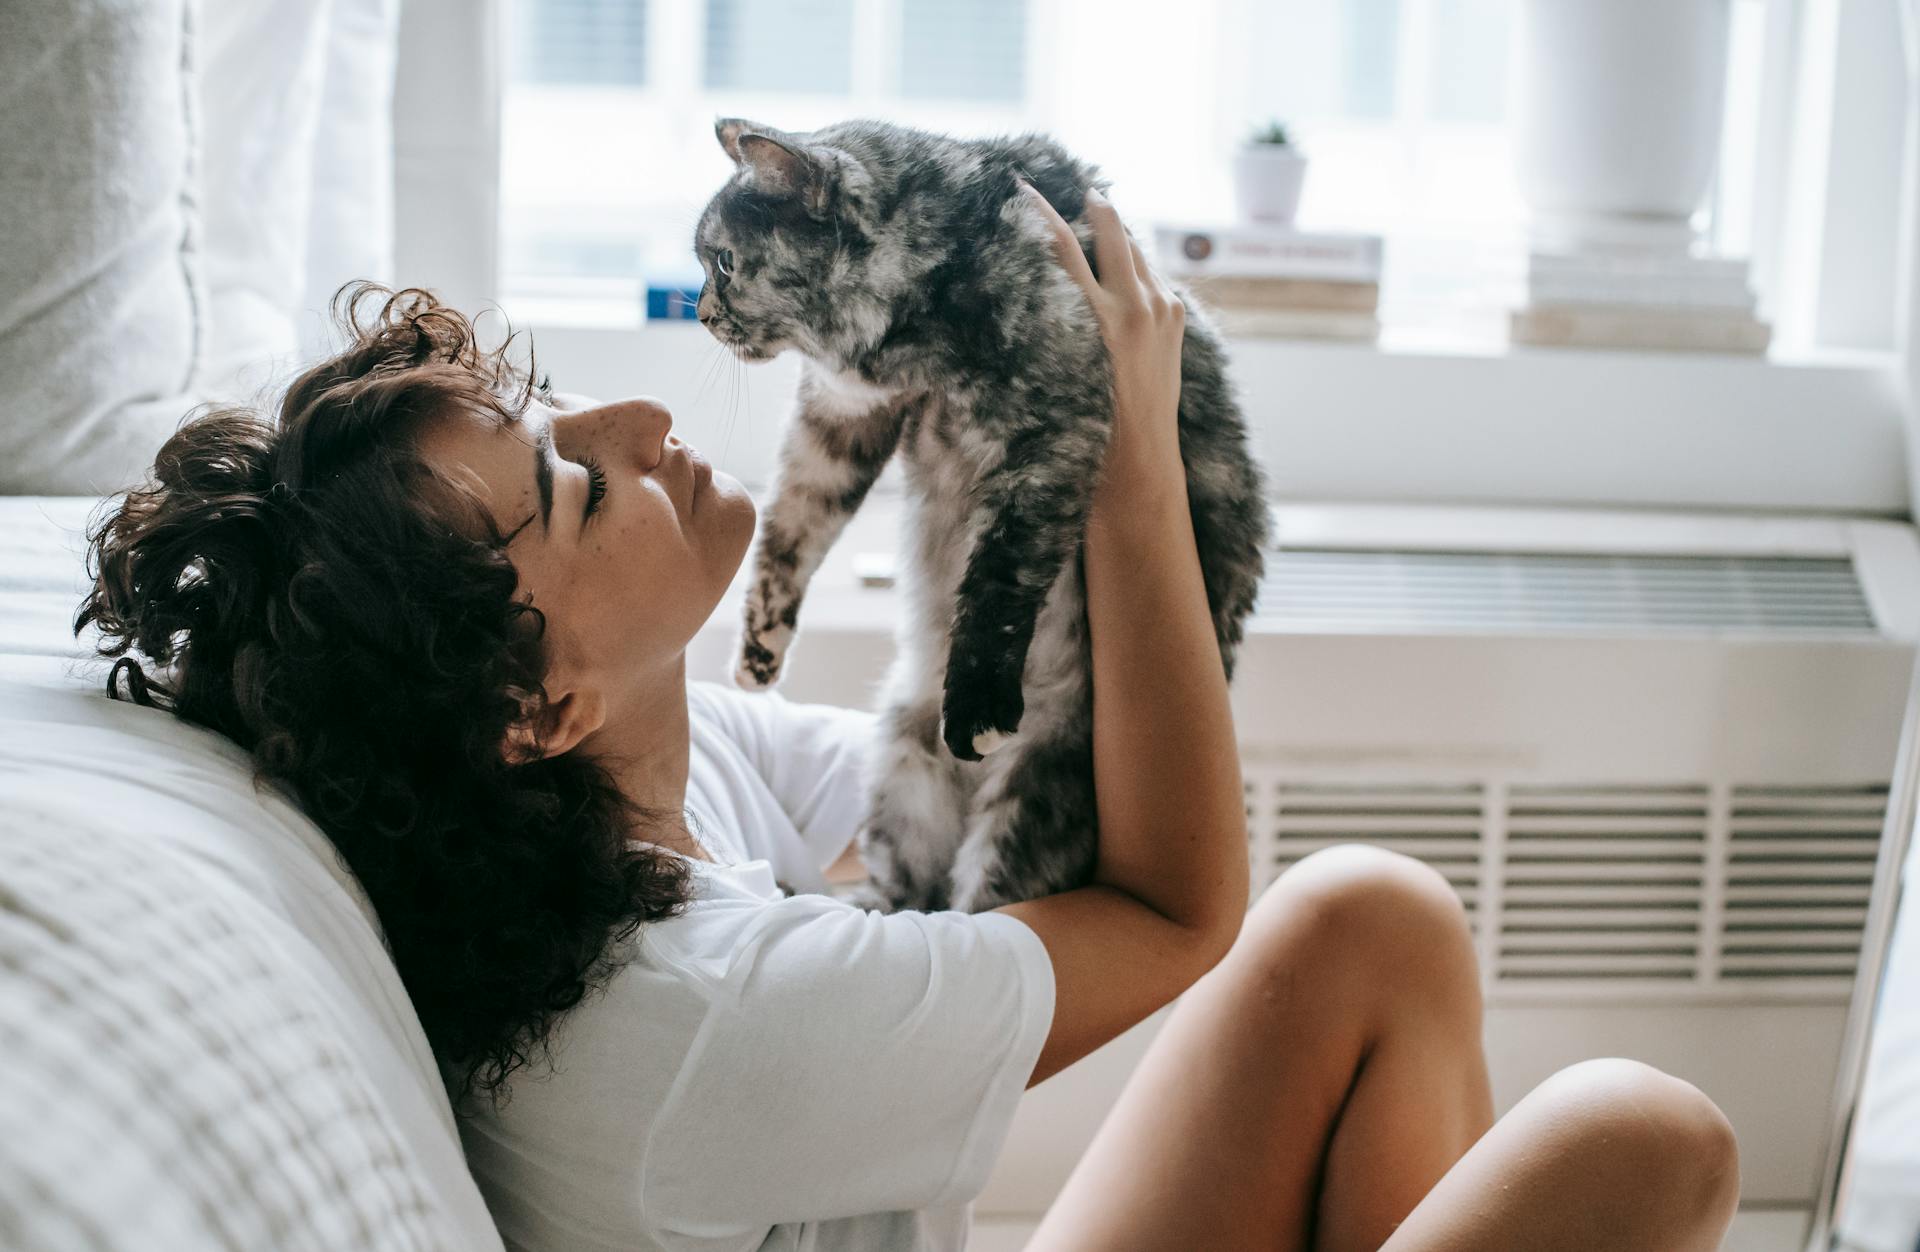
[1419, 417]
[560, 314]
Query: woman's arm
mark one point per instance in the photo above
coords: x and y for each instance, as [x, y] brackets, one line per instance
[847, 867]
[1170, 885]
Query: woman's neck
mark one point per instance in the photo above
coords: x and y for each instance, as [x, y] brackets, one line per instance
[646, 751]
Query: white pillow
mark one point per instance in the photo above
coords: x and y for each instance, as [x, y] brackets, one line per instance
[101, 303]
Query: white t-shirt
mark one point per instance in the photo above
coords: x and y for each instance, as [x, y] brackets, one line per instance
[773, 1072]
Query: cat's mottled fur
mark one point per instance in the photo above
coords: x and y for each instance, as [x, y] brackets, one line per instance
[935, 322]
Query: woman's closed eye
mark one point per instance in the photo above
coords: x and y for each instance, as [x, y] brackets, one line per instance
[596, 488]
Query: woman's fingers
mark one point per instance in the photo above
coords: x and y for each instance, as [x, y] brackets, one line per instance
[1066, 246]
[1123, 271]
[1150, 279]
[1112, 258]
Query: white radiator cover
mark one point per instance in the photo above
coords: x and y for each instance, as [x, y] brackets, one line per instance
[1651, 752]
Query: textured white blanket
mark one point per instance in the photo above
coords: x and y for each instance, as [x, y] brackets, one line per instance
[207, 1046]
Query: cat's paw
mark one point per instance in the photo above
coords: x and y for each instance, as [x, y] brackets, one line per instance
[978, 718]
[865, 894]
[757, 666]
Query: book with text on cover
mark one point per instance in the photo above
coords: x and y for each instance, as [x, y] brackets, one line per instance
[1267, 251]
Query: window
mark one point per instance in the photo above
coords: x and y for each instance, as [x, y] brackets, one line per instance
[580, 41]
[1401, 105]
[608, 152]
[963, 52]
[780, 45]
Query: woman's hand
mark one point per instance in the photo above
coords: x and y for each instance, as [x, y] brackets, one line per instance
[1144, 325]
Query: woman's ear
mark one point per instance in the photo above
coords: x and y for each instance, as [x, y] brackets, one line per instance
[556, 729]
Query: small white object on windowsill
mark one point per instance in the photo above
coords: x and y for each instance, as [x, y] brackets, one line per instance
[1269, 172]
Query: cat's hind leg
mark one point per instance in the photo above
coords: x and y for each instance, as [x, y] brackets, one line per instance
[1032, 827]
[916, 815]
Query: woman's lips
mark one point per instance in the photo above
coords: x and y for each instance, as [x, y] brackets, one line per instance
[702, 475]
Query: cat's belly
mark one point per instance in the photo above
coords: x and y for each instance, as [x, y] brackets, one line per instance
[935, 545]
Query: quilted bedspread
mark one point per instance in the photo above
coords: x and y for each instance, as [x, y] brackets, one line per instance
[206, 1044]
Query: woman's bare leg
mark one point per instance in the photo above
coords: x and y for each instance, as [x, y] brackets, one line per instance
[1316, 1086]
[1320, 1080]
[1603, 1155]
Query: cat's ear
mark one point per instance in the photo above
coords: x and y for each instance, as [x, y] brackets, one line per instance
[782, 167]
[728, 131]
[780, 164]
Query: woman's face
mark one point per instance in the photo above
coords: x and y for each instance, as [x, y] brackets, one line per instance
[622, 533]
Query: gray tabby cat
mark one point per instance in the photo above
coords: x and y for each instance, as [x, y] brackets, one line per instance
[935, 322]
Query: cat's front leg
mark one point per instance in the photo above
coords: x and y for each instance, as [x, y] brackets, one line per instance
[833, 451]
[1031, 519]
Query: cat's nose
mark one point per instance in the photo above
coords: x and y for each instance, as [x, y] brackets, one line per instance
[706, 307]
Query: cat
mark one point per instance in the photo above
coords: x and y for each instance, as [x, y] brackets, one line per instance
[935, 323]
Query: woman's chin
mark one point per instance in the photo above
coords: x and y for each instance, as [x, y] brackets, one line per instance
[730, 506]
[726, 491]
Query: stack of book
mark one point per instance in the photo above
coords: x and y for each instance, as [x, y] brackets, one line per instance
[1677, 300]
[1276, 281]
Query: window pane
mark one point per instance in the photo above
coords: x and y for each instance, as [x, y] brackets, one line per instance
[580, 41]
[1315, 60]
[780, 45]
[1467, 58]
[975, 50]
[1371, 37]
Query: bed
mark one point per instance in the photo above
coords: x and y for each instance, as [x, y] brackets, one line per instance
[207, 1044]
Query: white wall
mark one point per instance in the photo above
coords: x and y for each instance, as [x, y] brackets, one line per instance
[446, 123]
[1855, 297]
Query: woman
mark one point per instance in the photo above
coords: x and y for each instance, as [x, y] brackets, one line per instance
[448, 610]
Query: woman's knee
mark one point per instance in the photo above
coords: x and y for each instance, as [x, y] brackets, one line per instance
[1377, 917]
[1671, 1137]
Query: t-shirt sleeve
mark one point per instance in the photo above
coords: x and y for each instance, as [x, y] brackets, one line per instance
[851, 1063]
[811, 756]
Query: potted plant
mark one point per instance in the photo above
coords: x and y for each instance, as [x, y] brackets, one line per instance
[1268, 172]
[1620, 105]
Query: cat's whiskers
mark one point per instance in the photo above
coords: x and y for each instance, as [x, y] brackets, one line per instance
[715, 352]
[737, 382]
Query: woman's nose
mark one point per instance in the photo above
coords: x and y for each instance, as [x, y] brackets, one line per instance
[636, 426]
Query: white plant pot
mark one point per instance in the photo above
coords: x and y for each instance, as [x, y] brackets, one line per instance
[1267, 179]
[1620, 105]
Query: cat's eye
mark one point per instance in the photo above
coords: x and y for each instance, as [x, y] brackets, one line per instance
[723, 263]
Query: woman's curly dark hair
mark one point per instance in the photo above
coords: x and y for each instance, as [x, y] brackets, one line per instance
[312, 588]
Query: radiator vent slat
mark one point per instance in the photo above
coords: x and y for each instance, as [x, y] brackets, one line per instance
[1610, 884]
[1799, 872]
[1583, 864]
[1325, 589]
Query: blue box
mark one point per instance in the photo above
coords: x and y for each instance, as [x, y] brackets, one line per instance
[674, 304]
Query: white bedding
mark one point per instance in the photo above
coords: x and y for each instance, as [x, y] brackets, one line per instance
[207, 1044]
[1883, 1209]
